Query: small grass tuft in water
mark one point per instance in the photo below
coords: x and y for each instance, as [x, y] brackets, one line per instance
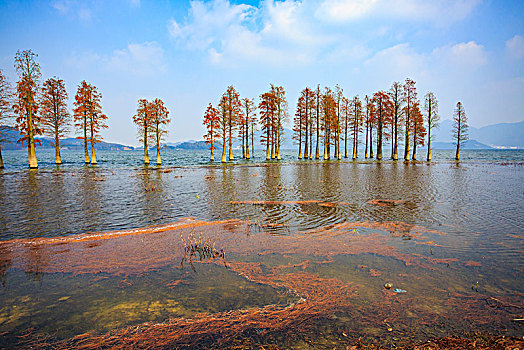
[201, 247]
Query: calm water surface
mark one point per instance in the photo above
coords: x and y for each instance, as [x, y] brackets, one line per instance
[472, 215]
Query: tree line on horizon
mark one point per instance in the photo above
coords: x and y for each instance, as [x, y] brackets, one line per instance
[323, 117]
[326, 118]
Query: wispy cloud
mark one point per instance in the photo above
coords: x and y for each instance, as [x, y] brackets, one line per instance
[515, 47]
[435, 11]
[140, 60]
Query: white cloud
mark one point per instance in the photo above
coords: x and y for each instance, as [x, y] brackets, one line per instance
[345, 10]
[515, 47]
[140, 59]
[462, 57]
[145, 59]
[435, 11]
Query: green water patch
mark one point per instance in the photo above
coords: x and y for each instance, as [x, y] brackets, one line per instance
[65, 305]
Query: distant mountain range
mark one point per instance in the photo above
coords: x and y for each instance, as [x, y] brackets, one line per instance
[69, 143]
[501, 135]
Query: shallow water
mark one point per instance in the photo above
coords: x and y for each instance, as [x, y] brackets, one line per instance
[450, 234]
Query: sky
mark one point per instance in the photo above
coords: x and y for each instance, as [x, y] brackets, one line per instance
[188, 52]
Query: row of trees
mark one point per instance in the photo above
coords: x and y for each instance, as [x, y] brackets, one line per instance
[326, 118]
[41, 109]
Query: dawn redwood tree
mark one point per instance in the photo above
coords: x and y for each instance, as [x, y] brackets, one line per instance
[336, 122]
[54, 113]
[248, 111]
[318, 98]
[309, 102]
[267, 110]
[142, 119]
[6, 96]
[81, 113]
[356, 123]
[252, 127]
[369, 120]
[410, 98]
[419, 131]
[212, 123]
[298, 122]
[432, 117]
[383, 107]
[232, 114]
[88, 117]
[26, 102]
[159, 120]
[460, 127]
[395, 93]
[281, 115]
[329, 115]
[345, 110]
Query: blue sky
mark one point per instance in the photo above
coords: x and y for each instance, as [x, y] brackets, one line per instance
[188, 52]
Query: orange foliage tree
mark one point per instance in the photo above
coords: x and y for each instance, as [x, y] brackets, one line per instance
[212, 123]
[142, 119]
[159, 119]
[6, 96]
[409, 98]
[337, 121]
[26, 101]
[395, 93]
[88, 116]
[383, 111]
[419, 131]
[329, 116]
[231, 112]
[356, 123]
[298, 124]
[54, 113]
[267, 110]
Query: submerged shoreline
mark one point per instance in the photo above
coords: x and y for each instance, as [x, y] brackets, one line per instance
[352, 305]
[279, 255]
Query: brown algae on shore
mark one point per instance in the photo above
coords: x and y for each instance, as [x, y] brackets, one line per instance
[295, 287]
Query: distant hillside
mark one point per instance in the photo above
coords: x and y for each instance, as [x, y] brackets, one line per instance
[501, 135]
[470, 144]
[65, 144]
[188, 145]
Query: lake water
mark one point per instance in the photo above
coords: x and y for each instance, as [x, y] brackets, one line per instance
[294, 253]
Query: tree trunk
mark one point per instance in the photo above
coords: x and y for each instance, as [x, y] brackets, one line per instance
[253, 140]
[367, 136]
[371, 141]
[415, 143]
[247, 138]
[278, 143]
[224, 148]
[158, 160]
[231, 141]
[86, 153]
[212, 155]
[93, 156]
[33, 164]
[395, 135]
[300, 137]
[146, 152]
[1, 159]
[58, 159]
[429, 143]
[379, 139]
[458, 138]
[306, 135]
[406, 144]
